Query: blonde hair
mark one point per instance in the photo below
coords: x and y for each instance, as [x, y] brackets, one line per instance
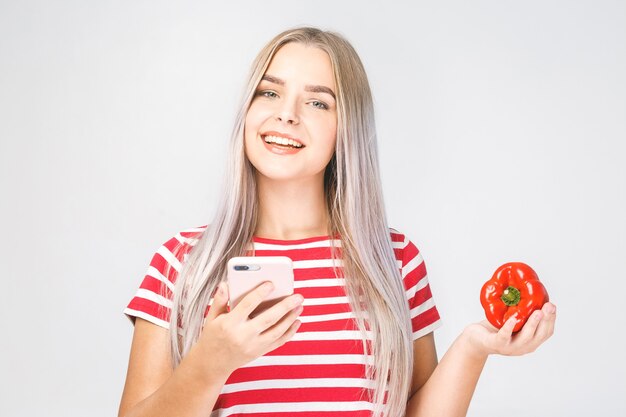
[355, 203]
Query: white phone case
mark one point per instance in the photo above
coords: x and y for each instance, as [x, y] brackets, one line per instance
[247, 272]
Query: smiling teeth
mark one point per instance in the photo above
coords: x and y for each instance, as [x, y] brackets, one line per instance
[282, 141]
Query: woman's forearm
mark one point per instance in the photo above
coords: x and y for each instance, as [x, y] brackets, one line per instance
[449, 390]
[188, 392]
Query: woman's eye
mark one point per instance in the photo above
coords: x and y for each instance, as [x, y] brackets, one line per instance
[268, 94]
[319, 105]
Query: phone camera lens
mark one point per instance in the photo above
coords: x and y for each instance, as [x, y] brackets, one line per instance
[241, 267]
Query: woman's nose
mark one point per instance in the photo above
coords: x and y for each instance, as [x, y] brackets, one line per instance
[287, 113]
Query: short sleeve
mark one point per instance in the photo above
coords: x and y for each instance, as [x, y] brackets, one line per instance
[153, 299]
[424, 314]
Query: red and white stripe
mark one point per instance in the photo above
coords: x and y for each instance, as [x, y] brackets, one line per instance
[322, 369]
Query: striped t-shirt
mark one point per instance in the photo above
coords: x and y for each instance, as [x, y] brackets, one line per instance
[321, 370]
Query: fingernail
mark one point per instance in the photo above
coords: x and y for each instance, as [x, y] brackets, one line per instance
[269, 285]
[537, 315]
[551, 309]
[298, 299]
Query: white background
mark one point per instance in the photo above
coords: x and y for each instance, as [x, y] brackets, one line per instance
[502, 128]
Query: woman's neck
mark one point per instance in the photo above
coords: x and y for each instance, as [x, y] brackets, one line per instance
[290, 210]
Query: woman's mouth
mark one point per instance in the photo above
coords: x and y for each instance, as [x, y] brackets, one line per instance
[282, 142]
[281, 145]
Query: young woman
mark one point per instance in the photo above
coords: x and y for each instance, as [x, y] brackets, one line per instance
[356, 338]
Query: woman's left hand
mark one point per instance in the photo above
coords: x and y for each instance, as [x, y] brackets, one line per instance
[486, 339]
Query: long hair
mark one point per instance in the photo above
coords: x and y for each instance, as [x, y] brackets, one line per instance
[357, 215]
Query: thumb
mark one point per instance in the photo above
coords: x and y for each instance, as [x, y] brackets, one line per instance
[506, 331]
[220, 302]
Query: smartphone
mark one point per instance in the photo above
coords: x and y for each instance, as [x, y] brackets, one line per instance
[245, 273]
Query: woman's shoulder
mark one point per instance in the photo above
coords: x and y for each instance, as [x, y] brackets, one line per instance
[191, 236]
[398, 238]
[188, 236]
[403, 247]
[178, 246]
[396, 235]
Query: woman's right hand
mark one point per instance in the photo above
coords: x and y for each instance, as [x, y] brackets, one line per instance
[230, 339]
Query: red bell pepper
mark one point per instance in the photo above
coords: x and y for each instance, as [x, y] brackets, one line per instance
[514, 289]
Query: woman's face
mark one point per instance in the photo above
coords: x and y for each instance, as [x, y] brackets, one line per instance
[291, 125]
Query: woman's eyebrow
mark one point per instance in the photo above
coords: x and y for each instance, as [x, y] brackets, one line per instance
[273, 79]
[309, 88]
[319, 89]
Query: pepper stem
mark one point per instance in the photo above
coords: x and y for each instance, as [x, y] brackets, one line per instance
[511, 296]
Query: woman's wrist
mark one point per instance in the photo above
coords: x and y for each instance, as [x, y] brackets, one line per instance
[204, 371]
[472, 344]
